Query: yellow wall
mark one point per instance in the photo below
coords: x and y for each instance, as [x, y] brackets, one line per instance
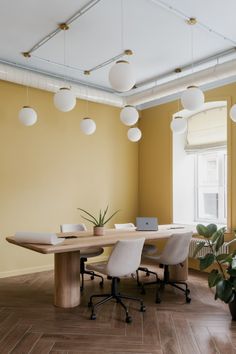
[155, 158]
[51, 168]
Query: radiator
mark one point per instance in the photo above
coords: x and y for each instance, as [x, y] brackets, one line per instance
[194, 241]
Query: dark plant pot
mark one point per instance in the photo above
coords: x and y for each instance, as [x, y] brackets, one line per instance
[232, 308]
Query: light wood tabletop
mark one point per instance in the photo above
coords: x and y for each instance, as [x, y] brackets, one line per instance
[67, 256]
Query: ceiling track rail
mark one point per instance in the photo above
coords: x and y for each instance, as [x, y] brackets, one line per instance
[187, 19]
[109, 61]
[211, 61]
[62, 27]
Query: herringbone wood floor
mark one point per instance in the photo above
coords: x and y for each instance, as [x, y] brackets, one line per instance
[29, 323]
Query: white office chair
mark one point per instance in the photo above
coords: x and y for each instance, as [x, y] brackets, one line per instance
[147, 250]
[124, 260]
[174, 253]
[85, 253]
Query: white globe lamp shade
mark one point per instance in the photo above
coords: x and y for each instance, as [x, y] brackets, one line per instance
[129, 115]
[193, 98]
[27, 116]
[64, 100]
[178, 125]
[134, 134]
[88, 126]
[121, 76]
[232, 113]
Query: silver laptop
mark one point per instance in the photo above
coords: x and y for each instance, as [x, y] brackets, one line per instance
[146, 224]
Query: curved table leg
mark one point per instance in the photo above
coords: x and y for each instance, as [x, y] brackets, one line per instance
[67, 279]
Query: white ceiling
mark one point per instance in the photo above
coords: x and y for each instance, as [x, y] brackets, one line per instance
[160, 38]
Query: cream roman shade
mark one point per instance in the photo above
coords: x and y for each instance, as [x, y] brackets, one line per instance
[207, 129]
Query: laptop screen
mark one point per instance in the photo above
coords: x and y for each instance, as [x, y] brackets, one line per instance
[147, 224]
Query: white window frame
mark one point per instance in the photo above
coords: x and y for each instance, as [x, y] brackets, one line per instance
[222, 201]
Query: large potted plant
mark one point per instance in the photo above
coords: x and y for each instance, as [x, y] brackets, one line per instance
[223, 274]
[98, 222]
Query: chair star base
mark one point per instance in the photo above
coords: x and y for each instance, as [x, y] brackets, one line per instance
[166, 281]
[118, 297]
[91, 273]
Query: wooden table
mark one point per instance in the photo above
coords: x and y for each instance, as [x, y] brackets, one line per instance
[67, 257]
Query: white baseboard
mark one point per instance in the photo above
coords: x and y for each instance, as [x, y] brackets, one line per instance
[22, 271]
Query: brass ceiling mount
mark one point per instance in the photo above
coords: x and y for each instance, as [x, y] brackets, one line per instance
[64, 26]
[191, 21]
[86, 72]
[178, 70]
[26, 54]
[128, 52]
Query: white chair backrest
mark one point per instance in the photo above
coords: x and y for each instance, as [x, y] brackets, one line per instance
[176, 249]
[128, 226]
[125, 257]
[73, 227]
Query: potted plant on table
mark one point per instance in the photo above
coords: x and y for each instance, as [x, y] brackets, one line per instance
[98, 222]
[223, 275]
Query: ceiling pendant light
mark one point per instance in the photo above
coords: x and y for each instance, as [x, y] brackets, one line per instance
[88, 126]
[121, 76]
[178, 125]
[193, 98]
[129, 115]
[134, 134]
[27, 116]
[232, 113]
[64, 99]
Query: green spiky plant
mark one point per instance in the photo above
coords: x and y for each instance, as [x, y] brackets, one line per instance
[102, 218]
[223, 276]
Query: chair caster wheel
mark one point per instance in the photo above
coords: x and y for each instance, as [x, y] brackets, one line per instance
[188, 300]
[89, 303]
[93, 316]
[128, 319]
[142, 308]
[101, 284]
[158, 301]
[92, 277]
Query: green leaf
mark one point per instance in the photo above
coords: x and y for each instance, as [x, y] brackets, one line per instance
[231, 298]
[206, 261]
[92, 221]
[215, 237]
[234, 283]
[223, 257]
[100, 218]
[104, 214]
[111, 216]
[202, 230]
[86, 212]
[213, 278]
[224, 290]
[231, 272]
[212, 228]
[199, 246]
[219, 241]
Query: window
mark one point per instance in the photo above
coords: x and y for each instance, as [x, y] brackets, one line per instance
[210, 186]
[200, 167]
